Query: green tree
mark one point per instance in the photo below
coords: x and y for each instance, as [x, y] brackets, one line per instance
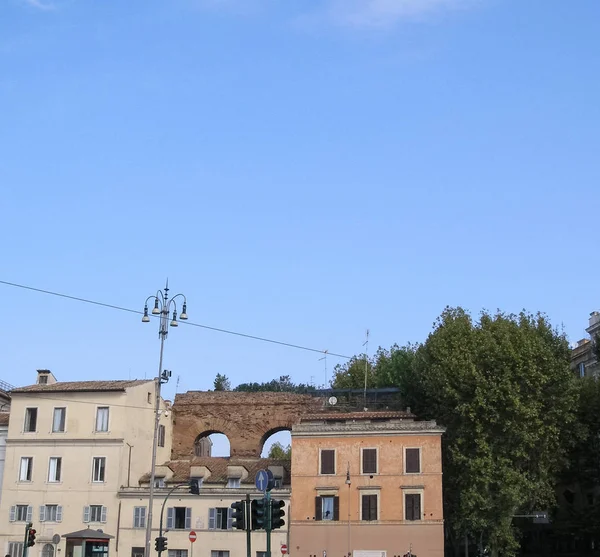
[503, 388]
[222, 383]
[282, 385]
[280, 452]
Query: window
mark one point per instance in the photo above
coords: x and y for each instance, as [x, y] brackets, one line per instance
[159, 482]
[43, 380]
[15, 549]
[581, 369]
[139, 517]
[58, 420]
[161, 435]
[179, 518]
[277, 483]
[149, 398]
[413, 461]
[54, 469]
[412, 506]
[51, 513]
[137, 552]
[369, 507]
[178, 552]
[220, 518]
[94, 513]
[102, 418]
[99, 469]
[327, 508]
[21, 513]
[30, 425]
[369, 461]
[327, 461]
[223, 553]
[261, 554]
[26, 469]
[48, 550]
[234, 482]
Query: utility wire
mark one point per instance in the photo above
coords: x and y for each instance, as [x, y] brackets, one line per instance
[216, 329]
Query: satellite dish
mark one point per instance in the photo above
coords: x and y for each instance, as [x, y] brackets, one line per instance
[332, 400]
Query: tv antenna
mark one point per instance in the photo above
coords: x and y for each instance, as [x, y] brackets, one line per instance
[366, 345]
[325, 359]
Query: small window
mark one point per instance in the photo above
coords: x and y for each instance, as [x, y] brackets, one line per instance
[412, 506]
[15, 549]
[413, 461]
[94, 513]
[219, 518]
[23, 513]
[149, 398]
[102, 418]
[50, 513]
[179, 518]
[219, 553]
[234, 482]
[277, 483]
[327, 508]
[161, 435]
[30, 425]
[55, 469]
[137, 552]
[369, 507]
[327, 461]
[58, 420]
[139, 517]
[369, 461]
[48, 549]
[178, 553]
[99, 469]
[581, 369]
[159, 482]
[43, 380]
[26, 468]
[261, 554]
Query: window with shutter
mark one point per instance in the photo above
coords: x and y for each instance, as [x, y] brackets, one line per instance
[13, 514]
[212, 519]
[170, 518]
[412, 506]
[29, 513]
[413, 461]
[103, 515]
[327, 461]
[229, 518]
[188, 518]
[336, 508]
[59, 513]
[86, 514]
[369, 461]
[369, 507]
[42, 513]
[318, 508]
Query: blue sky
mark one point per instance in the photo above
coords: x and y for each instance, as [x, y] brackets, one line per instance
[300, 170]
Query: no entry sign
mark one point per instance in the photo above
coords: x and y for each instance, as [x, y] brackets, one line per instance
[283, 549]
[193, 536]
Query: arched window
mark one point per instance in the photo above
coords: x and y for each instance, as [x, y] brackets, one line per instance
[48, 550]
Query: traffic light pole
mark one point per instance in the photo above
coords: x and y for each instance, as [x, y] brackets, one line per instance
[26, 542]
[162, 511]
[248, 526]
[268, 523]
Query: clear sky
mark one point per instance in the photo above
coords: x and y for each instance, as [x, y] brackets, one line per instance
[301, 170]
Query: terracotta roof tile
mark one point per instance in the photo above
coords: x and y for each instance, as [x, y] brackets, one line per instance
[81, 386]
[218, 468]
[343, 416]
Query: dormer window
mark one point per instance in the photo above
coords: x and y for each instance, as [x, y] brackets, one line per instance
[159, 482]
[43, 379]
[234, 483]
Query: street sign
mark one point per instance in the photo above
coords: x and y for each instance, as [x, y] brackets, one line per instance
[271, 481]
[262, 480]
[193, 537]
[283, 549]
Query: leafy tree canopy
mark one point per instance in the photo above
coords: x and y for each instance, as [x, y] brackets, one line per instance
[222, 383]
[283, 384]
[280, 452]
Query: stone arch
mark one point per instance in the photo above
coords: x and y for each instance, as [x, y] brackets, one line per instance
[270, 432]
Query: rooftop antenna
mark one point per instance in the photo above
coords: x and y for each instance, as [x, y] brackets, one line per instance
[325, 358]
[177, 385]
[366, 345]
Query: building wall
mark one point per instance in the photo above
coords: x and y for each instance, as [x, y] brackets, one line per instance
[3, 435]
[131, 420]
[391, 532]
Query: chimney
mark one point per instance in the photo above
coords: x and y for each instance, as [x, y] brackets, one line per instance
[45, 377]
[594, 327]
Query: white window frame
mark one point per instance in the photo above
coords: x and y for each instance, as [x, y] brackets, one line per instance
[88, 511]
[102, 423]
[177, 552]
[420, 449]
[234, 483]
[221, 553]
[139, 517]
[56, 467]
[376, 449]
[15, 549]
[334, 461]
[323, 497]
[28, 513]
[29, 459]
[44, 513]
[64, 429]
[94, 459]
[360, 506]
[413, 491]
[25, 420]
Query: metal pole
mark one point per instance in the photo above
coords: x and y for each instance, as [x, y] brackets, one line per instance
[162, 510]
[268, 523]
[25, 547]
[248, 526]
[163, 331]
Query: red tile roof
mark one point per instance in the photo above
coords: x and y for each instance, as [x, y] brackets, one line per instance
[344, 416]
[81, 386]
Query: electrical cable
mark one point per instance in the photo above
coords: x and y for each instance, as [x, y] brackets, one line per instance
[208, 327]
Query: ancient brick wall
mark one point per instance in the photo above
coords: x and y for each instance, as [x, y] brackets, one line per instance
[247, 419]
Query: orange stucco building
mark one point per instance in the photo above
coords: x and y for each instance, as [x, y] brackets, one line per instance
[366, 484]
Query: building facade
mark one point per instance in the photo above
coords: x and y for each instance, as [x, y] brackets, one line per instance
[584, 359]
[366, 484]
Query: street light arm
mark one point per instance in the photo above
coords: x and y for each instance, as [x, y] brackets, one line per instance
[162, 509]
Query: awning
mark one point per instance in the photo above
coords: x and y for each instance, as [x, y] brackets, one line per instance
[88, 534]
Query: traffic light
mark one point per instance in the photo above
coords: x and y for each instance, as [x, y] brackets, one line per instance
[194, 487]
[161, 544]
[277, 513]
[30, 535]
[258, 514]
[239, 515]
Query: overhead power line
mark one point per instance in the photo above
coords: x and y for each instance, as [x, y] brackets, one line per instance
[216, 329]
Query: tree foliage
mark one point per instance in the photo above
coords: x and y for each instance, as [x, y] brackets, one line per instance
[222, 383]
[503, 388]
[282, 385]
[280, 452]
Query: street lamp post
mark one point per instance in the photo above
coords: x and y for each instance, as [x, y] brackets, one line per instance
[162, 306]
